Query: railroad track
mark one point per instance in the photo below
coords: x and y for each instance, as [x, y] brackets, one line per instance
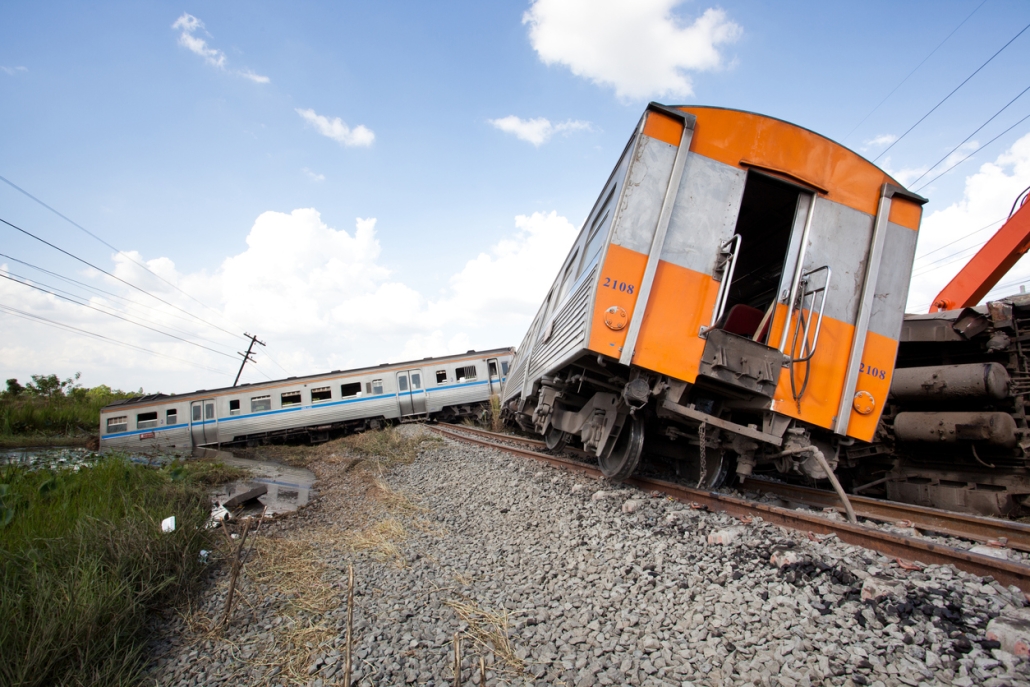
[888, 543]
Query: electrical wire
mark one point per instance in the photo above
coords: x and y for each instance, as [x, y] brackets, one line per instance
[124, 319]
[945, 98]
[89, 264]
[104, 292]
[950, 152]
[973, 153]
[902, 82]
[87, 231]
[43, 320]
[964, 236]
[30, 282]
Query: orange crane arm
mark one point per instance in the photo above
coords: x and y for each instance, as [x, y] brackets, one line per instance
[989, 265]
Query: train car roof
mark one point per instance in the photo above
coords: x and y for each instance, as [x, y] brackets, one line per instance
[750, 140]
[152, 398]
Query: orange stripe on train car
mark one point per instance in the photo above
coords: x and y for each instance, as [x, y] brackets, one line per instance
[878, 357]
[731, 136]
[663, 128]
[681, 301]
[905, 213]
[621, 266]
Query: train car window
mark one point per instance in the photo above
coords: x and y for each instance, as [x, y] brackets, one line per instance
[234, 406]
[402, 383]
[416, 381]
[291, 398]
[209, 411]
[196, 413]
[349, 390]
[465, 374]
[377, 386]
[567, 279]
[441, 376]
[493, 368]
[321, 394]
[260, 403]
[146, 420]
[171, 416]
[504, 368]
[117, 424]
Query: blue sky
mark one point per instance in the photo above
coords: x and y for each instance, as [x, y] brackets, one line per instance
[191, 134]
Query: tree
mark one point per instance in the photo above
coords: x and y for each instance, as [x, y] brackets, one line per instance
[14, 388]
[50, 387]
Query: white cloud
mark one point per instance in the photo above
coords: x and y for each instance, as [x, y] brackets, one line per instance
[13, 71]
[320, 297]
[912, 175]
[881, 140]
[337, 130]
[966, 224]
[539, 129]
[640, 48]
[198, 46]
[313, 176]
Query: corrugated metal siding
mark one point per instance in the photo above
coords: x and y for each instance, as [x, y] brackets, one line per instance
[517, 372]
[569, 331]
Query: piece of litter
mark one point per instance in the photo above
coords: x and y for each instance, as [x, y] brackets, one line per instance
[235, 536]
[168, 524]
[202, 558]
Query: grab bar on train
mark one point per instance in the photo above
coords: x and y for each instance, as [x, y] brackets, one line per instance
[819, 293]
[728, 258]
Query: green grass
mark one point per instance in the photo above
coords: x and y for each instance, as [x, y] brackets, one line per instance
[83, 562]
[389, 445]
[43, 416]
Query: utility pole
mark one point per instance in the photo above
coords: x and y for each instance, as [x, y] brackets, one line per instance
[247, 356]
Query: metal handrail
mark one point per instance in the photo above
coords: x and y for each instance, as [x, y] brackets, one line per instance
[805, 293]
[729, 266]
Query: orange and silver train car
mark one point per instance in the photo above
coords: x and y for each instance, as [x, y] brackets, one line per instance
[733, 301]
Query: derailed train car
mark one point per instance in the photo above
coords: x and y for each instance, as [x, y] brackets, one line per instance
[733, 301]
[313, 407]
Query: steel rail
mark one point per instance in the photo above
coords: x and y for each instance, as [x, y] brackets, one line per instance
[888, 543]
[974, 527]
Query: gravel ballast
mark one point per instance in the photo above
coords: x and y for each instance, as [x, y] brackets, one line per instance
[555, 578]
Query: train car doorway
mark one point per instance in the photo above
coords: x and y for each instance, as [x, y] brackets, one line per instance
[203, 422]
[410, 394]
[493, 373]
[770, 225]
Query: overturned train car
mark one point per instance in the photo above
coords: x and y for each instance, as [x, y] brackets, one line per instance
[313, 407]
[733, 302]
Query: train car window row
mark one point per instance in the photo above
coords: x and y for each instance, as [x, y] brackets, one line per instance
[118, 424]
[260, 403]
[171, 416]
[351, 390]
[290, 398]
[441, 376]
[465, 374]
[321, 394]
[146, 420]
[234, 406]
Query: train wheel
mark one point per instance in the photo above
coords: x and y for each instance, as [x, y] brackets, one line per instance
[621, 461]
[717, 469]
[555, 439]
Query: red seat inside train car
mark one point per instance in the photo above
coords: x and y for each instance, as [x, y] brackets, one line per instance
[743, 320]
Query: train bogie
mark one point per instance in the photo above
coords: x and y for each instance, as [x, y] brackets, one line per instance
[313, 407]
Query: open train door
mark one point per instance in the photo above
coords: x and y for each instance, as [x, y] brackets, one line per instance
[493, 374]
[203, 423]
[410, 395]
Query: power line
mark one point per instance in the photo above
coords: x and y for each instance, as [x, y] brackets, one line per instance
[943, 100]
[143, 291]
[110, 314]
[104, 292]
[902, 82]
[964, 236]
[974, 153]
[78, 298]
[29, 316]
[971, 135]
[87, 231]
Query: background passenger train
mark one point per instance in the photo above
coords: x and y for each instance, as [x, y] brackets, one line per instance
[315, 406]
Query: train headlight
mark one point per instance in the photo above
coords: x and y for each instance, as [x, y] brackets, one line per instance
[864, 403]
[615, 318]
